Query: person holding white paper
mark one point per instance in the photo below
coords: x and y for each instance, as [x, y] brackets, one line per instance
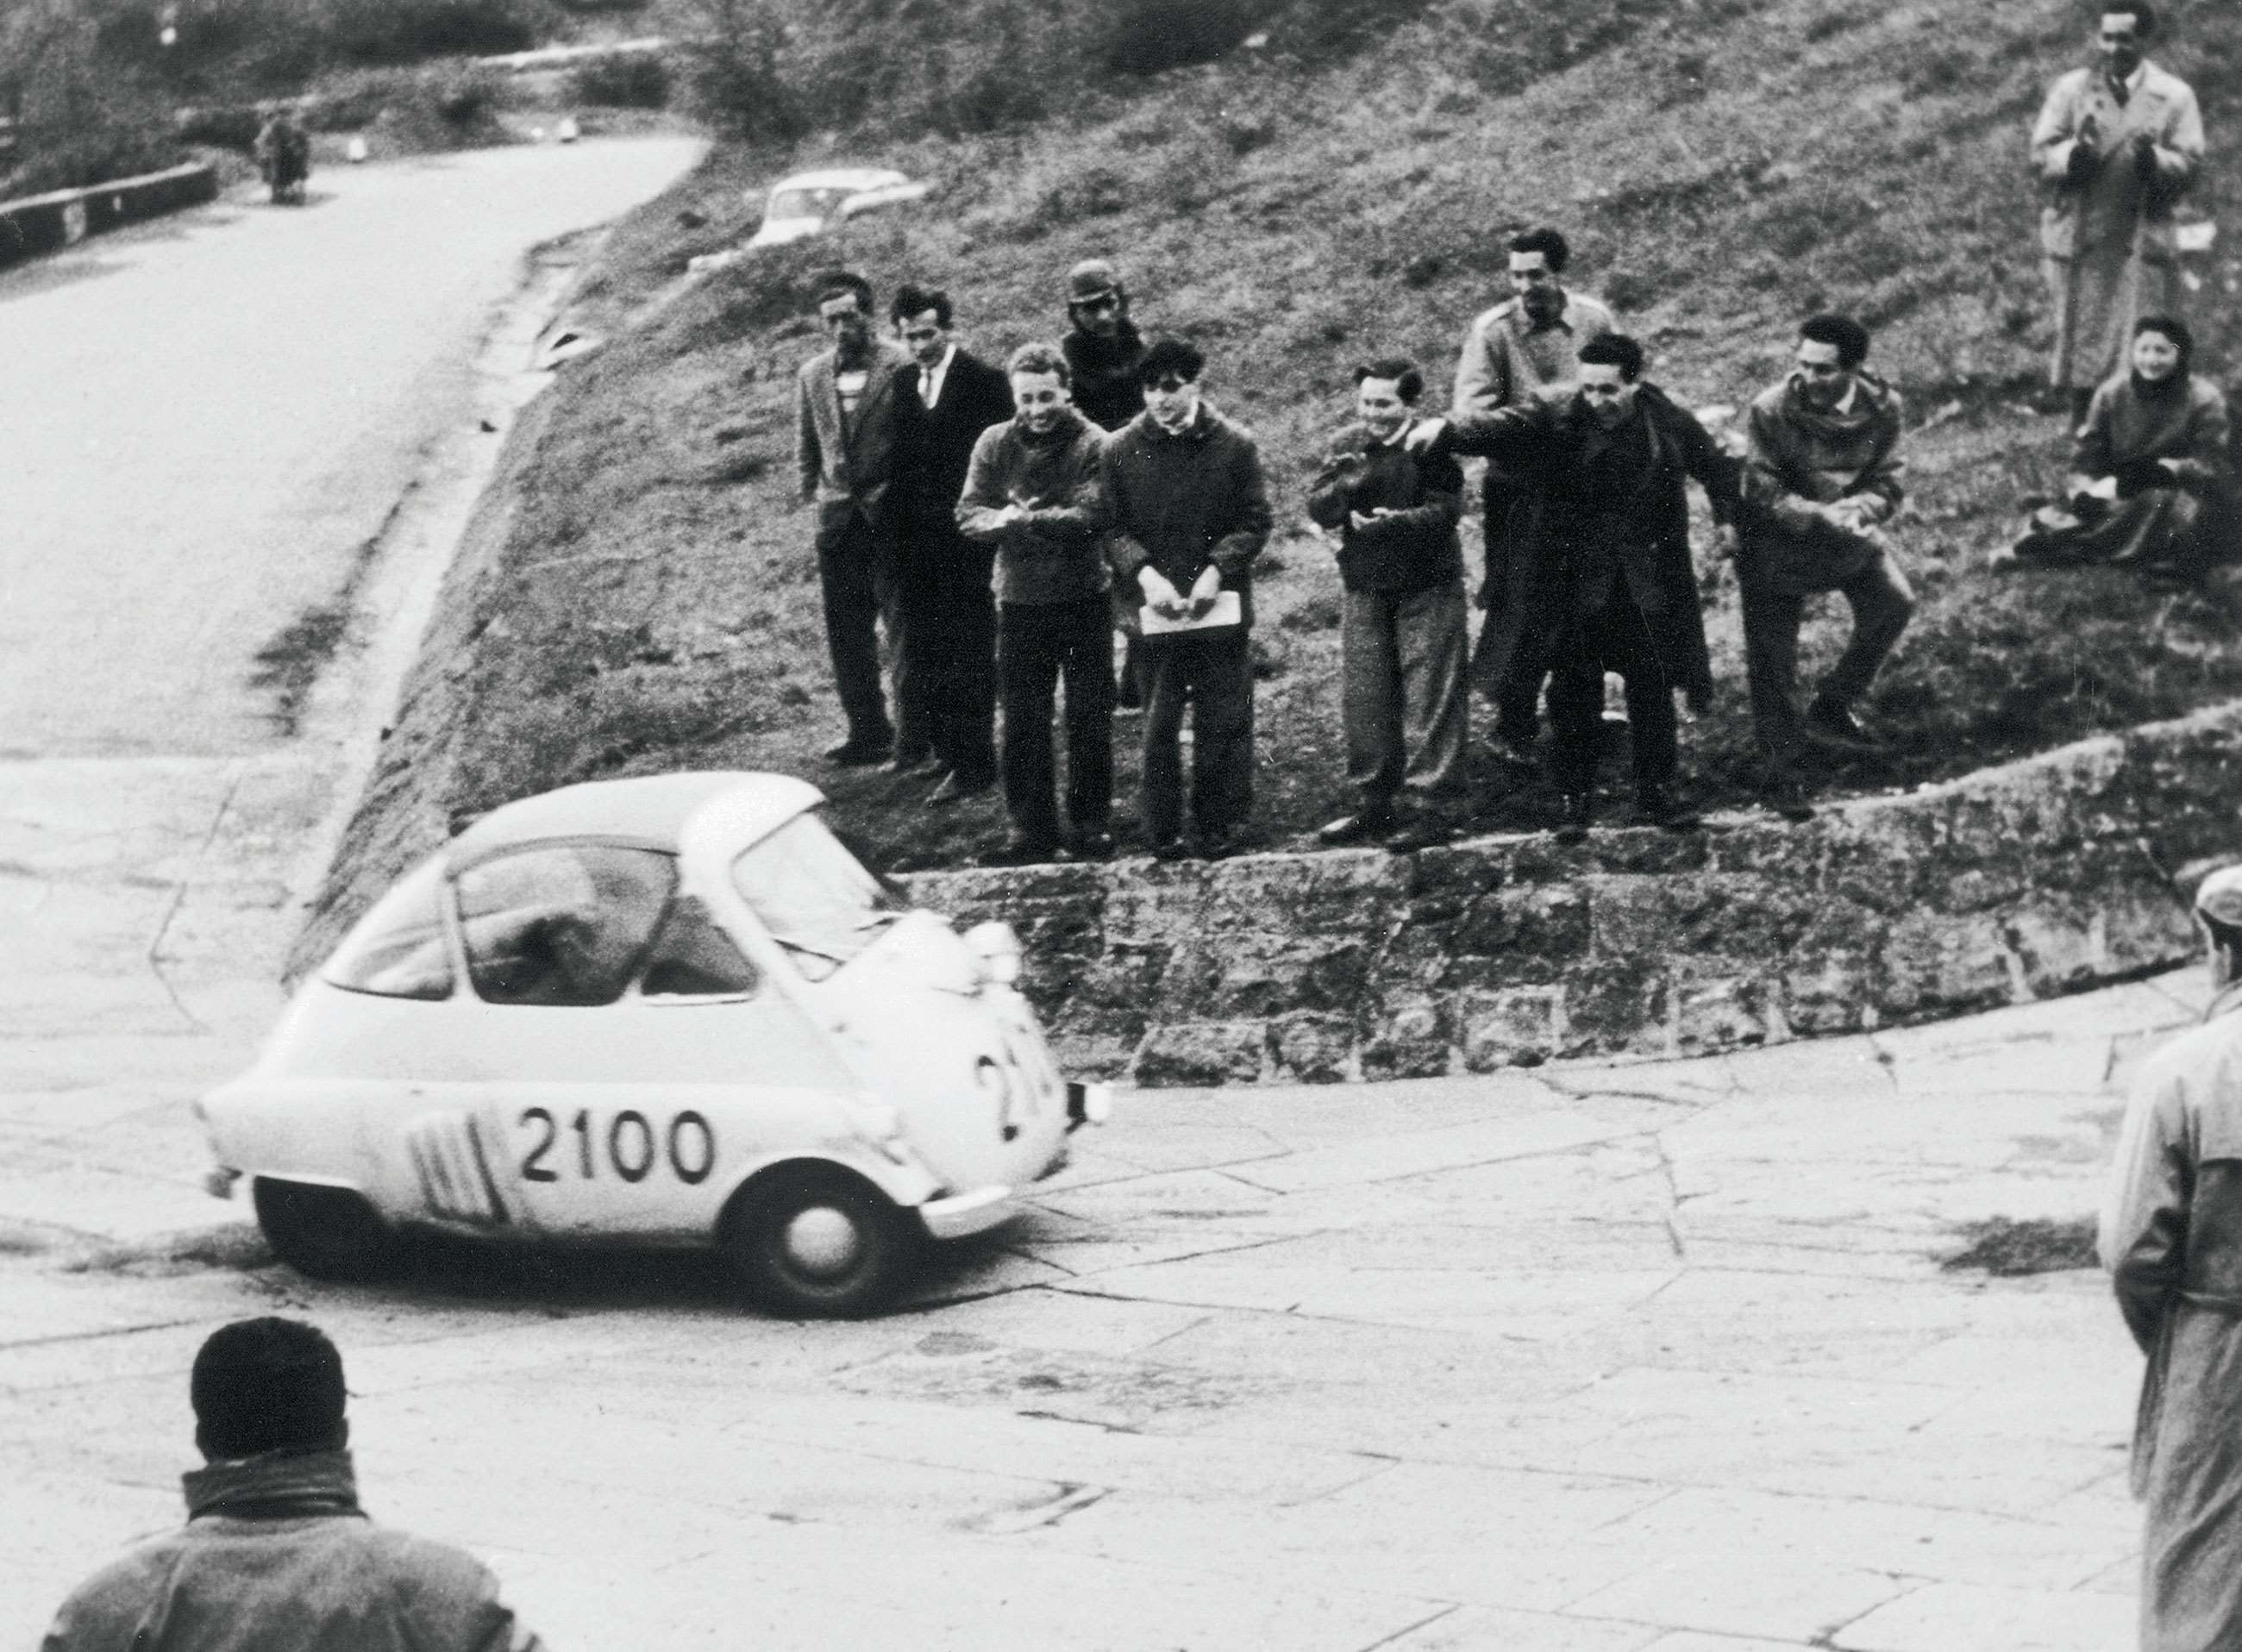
[1186, 512]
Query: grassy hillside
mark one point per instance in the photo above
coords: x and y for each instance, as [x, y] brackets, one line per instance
[1724, 167]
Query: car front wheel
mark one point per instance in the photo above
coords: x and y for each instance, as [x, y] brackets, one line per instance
[814, 1241]
[324, 1232]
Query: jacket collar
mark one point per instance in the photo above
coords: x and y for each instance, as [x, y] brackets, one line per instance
[275, 1484]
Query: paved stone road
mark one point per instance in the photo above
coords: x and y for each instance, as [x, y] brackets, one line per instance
[1589, 1360]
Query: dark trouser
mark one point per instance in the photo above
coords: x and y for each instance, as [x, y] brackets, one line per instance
[1403, 695]
[951, 633]
[856, 567]
[1613, 638]
[1213, 675]
[1882, 602]
[1037, 646]
[1517, 695]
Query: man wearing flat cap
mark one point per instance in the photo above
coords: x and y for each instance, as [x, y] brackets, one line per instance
[2172, 1238]
[276, 1555]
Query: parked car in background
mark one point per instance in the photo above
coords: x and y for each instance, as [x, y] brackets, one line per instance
[668, 1011]
[812, 202]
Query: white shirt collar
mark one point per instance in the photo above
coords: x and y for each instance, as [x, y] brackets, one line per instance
[931, 378]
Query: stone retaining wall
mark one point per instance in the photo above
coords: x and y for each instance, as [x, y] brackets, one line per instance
[46, 223]
[2044, 876]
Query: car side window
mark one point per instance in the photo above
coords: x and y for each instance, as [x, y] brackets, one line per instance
[561, 923]
[692, 958]
[398, 950]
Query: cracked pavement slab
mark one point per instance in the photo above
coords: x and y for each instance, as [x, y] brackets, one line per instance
[1631, 1358]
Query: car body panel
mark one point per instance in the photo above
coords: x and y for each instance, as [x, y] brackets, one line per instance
[806, 204]
[639, 1118]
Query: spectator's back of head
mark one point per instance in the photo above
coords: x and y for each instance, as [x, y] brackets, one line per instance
[267, 1385]
[1848, 336]
[1177, 359]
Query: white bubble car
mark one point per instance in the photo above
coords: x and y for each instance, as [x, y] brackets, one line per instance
[673, 1011]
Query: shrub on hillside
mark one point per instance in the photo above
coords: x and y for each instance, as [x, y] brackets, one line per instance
[374, 32]
[79, 122]
[621, 80]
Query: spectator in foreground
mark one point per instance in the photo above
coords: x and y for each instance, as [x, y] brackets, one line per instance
[1602, 579]
[2171, 1237]
[1526, 347]
[1821, 476]
[845, 450]
[276, 1555]
[1186, 512]
[1031, 496]
[1403, 631]
[951, 622]
[1103, 350]
[2115, 146]
[2150, 484]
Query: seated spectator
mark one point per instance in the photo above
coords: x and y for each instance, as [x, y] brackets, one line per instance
[2152, 483]
[1403, 633]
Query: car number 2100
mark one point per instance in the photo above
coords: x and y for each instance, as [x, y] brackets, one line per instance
[628, 1145]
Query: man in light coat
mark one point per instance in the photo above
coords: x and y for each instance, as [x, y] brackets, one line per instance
[276, 1555]
[2172, 1238]
[845, 446]
[2115, 146]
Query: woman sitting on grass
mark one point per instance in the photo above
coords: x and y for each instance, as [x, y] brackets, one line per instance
[2151, 485]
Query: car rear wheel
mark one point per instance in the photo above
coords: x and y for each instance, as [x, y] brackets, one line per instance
[814, 1241]
[324, 1232]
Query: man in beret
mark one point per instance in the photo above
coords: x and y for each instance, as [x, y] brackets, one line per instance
[2172, 1238]
[276, 1555]
[1103, 348]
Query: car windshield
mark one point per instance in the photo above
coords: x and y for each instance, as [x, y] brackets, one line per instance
[813, 897]
[819, 203]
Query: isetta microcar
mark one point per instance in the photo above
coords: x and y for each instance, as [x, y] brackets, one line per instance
[670, 1011]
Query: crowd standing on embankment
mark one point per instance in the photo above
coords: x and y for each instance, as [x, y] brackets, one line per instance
[1588, 569]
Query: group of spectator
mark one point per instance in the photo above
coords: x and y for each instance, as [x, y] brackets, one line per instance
[1001, 524]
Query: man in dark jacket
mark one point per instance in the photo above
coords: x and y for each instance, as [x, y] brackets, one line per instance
[950, 396]
[276, 1555]
[1601, 578]
[1103, 348]
[1032, 497]
[1186, 511]
[844, 450]
[1403, 634]
[1821, 476]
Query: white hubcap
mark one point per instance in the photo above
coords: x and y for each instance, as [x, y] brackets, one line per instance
[823, 1240]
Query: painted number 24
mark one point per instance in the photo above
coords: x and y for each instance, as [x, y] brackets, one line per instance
[629, 1144]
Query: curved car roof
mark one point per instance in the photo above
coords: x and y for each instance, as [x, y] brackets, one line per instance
[649, 809]
[842, 177]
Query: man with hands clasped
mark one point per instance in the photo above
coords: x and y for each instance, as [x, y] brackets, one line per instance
[1403, 631]
[1186, 512]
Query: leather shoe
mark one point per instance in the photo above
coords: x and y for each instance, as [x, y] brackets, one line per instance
[1419, 831]
[1017, 850]
[1512, 752]
[912, 762]
[1093, 846]
[956, 789]
[1579, 814]
[1362, 827]
[1169, 849]
[1829, 724]
[1216, 846]
[853, 753]
[1785, 794]
[1658, 806]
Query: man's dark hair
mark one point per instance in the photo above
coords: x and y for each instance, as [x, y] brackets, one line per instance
[267, 1385]
[1614, 350]
[2144, 15]
[835, 284]
[1408, 382]
[918, 300]
[1170, 359]
[1040, 358]
[1548, 241]
[1851, 338]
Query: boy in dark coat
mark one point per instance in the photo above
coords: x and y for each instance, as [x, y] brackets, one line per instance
[1600, 577]
[1403, 634]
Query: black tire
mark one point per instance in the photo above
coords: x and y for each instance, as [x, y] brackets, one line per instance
[817, 1242]
[324, 1232]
